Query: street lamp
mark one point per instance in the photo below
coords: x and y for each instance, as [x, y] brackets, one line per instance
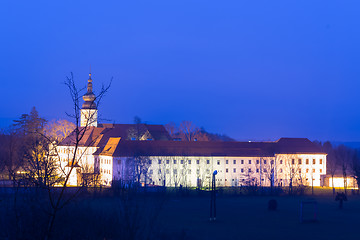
[213, 198]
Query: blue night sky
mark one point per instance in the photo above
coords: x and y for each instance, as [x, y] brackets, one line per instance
[254, 70]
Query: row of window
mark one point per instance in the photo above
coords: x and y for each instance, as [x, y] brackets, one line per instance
[105, 161]
[293, 161]
[105, 171]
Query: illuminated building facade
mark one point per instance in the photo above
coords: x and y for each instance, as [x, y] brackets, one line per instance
[129, 153]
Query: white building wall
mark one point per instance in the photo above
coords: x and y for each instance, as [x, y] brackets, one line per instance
[84, 157]
[192, 171]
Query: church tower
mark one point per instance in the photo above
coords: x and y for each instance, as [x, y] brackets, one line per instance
[89, 110]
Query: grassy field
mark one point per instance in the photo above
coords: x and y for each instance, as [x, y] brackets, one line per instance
[178, 216]
[246, 217]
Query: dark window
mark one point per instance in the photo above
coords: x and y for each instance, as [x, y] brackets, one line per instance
[218, 162]
[249, 161]
[197, 161]
[227, 161]
[280, 161]
[234, 169]
[182, 162]
[293, 161]
[242, 170]
[159, 161]
[174, 161]
[249, 169]
[167, 161]
[257, 161]
[234, 161]
[299, 161]
[242, 161]
[257, 170]
[207, 161]
[227, 170]
[150, 161]
[189, 161]
[264, 161]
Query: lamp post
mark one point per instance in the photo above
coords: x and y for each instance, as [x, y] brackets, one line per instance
[213, 198]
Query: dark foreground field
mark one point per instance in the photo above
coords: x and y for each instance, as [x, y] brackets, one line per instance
[112, 215]
[248, 218]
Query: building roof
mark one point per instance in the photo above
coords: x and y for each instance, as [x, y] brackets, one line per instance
[297, 146]
[198, 148]
[118, 140]
[182, 148]
[99, 136]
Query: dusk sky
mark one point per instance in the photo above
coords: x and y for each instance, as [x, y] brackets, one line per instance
[254, 70]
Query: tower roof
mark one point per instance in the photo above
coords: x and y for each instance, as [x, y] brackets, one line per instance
[89, 97]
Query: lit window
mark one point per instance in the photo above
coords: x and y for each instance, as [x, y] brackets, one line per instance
[320, 170]
[320, 161]
[313, 170]
[314, 161]
[307, 161]
[307, 170]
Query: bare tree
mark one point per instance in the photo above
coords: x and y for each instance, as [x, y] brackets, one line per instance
[331, 161]
[292, 168]
[59, 198]
[344, 157]
[188, 130]
[59, 129]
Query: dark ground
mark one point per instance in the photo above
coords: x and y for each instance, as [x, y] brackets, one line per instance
[247, 217]
[173, 216]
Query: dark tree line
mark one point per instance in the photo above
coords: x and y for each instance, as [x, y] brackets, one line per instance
[188, 131]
